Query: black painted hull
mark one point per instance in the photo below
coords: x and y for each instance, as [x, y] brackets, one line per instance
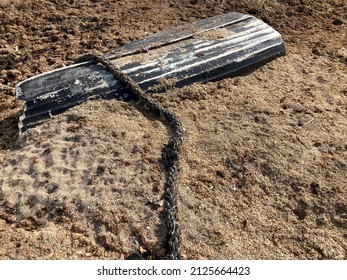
[210, 49]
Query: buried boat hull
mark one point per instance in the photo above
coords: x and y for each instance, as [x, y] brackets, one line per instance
[209, 49]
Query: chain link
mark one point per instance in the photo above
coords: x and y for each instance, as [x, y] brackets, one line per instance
[171, 153]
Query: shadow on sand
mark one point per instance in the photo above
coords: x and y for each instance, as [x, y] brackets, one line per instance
[9, 131]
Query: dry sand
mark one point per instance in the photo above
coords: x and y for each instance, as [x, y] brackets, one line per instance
[264, 157]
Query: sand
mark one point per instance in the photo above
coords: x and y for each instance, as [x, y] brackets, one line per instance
[263, 161]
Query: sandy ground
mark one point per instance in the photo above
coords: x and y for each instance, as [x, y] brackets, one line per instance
[264, 157]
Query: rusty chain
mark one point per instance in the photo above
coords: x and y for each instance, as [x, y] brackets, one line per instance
[171, 153]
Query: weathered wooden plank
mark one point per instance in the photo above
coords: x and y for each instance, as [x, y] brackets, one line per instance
[182, 32]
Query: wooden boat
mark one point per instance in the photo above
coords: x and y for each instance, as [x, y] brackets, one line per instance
[225, 45]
